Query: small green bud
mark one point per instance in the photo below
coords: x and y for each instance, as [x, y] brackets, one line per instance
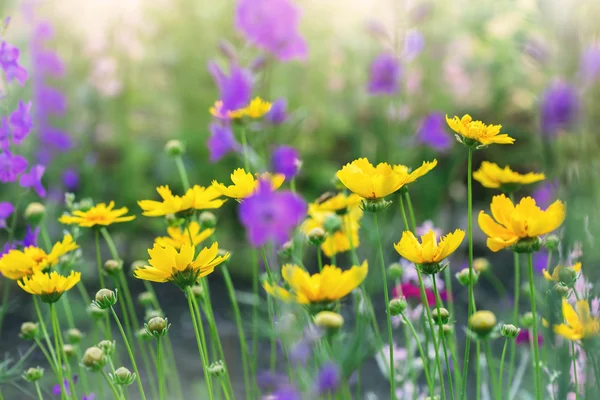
[567, 275]
[527, 320]
[551, 242]
[376, 205]
[29, 330]
[528, 245]
[123, 377]
[142, 334]
[444, 315]
[105, 298]
[152, 313]
[397, 306]
[34, 213]
[481, 264]
[33, 374]
[108, 346]
[137, 264]
[69, 350]
[207, 220]
[561, 289]
[447, 329]
[286, 249]
[174, 148]
[74, 335]
[95, 312]
[172, 220]
[482, 322]
[464, 277]
[329, 320]
[146, 299]
[198, 292]
[217, 368]
[509, 331]
[316, 236]
[157, 326]
[395, 271]
[113, 267]
[94, 359]
[332, 223]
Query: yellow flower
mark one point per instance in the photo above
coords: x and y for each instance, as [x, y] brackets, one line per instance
[255, 109]
[337, 241]
[490, 175]
[477, 131]
[370, 182]
[330, 285]
[178, 237]
[196, 198]
[579, 325]
[523, 221]
[339, 203]
[169, 265]
[556, 273]
[244, 184]
[16, 263]
[49, 286]
[429, 251]
[100, 214]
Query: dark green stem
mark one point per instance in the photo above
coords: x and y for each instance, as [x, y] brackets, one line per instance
[515, 316]
[501, 372]
[199, 342]
[490, 362]
[442, 338]
[536, 351]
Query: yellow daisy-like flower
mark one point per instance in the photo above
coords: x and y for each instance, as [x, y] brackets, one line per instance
[376, 182]
[524, 222]
[100, 214]
[476, 132]
[49, 286]
[16, 263]
[196, 198]
[429, 253]
[255, 109]
[178, 236]
[579, 325]
[331, 284]
[339, 203]
[337, 239]
[169, 265]
[490, 175]
[244, 184]
[558, 271]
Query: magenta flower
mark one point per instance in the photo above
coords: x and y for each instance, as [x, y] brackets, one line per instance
[559, 108]
[9, 62]
[11, 166]
[432, 132]
[286, 160]
[272, 25]
[6, 209]
[271, 216]
[277, 115]
[385, 75]
[221, 141]
[21, 122]
[525, 337]
[33, 179]
[411, 291]
[235, 89]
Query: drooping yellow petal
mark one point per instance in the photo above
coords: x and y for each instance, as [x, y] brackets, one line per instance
[409, 247]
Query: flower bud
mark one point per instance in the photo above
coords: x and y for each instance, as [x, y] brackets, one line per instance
[217, 368]
[33, 374]
[143, 334]
[527, 245]
[174, 148]
[173, 221]
[329, 320]
[74, 335]
[551, 242]
[567, 275]
[395, 271]
[444, 315]
[286, 249]
[434, 397]
[152, 313]
[482, 322]
[481, 264]
[447, 329]
[95, 312]
[527, 320]
[94, 359]
[29, 330]
[34, 213]
[509, 331]
[137, 264]
[464, 277]
[105, 298]
[332, 223]
[107, 346]
[397, 306]
[69, 350]
[431, 268]
[146, 299]
[207, 220]
[316, 236]
[123, 376]
[376, 205]
[198, 292]
[113, 267]
[561, 289]
[158, 326]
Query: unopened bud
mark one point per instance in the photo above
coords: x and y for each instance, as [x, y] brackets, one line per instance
[108, 346]
[74, 335]
[567, 275]
[510, 331]
[482, 322]
[94, 359]
[105, 298]
[397, 306]
[481, 264]
[33, 374]
[464, 277]
[395, 271]
[528, 245]
[527, 320]
[123, 377]
[286, 249]
[69, 350]
[29, 330]
[443, 316]
[34, 213]
[207, 220]
[561, 289]
[316, 236]
[143, 334]
[146, 299]
[113, 267]
[447, 329]
[333, 223]
[551, 242]
[374, 206]
[217, 368]
[198, 292]
[329, 320]
[174, 148]
[158, 326]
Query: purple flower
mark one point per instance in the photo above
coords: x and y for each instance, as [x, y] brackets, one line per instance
[525, 336]
[559, 108]
[70, 179]
[221, 141]
[385, 75]
[11, 166]
[33, 179]
[328, 379]
[286, 160]
[56, 139]
[31, 236]
[4, 134]
[57, 389]
[268, 215]
[6, 209]
[414, 43]
[540, 261]
[50, 101]
[590, 64]
[545, 194]
[432, 132]
[235, 90]
[88, 397]
[285, 392]
[7, 247]
[9, 62]
[278, 112]
[21, 122]
[272, 25]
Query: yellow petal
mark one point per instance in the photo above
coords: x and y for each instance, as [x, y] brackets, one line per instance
[567, 332]
[502, 210]
[570, 315]
[409, 248]
[449, 243]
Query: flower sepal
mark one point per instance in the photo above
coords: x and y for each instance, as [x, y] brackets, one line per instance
[315, 308]
[527, 245]
[432, 268]
[375, 205]
[185, 278]
[470, 143]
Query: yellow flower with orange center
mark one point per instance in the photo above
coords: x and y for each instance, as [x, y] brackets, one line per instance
[476, 132]
[49, 286]
[244, 183]
[490, 175]
[579, 324]
[178, 236]
[100, 214]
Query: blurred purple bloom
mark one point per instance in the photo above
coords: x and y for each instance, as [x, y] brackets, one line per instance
[385, 75]
[286, 160]
[88, 397]
[285, 392]
[268, 215]
[300, 352]
[272, 25]
[4, 134]
[50, 101]
[56, 139]
[33, 179]
[525, 336]
[57, 389]
[21, 122]
[235, 90]
[70, 179]
[545, 194]
[432, 132]
[559, 108]
[590, 64]
[31, 236]
[9, 62]
[537, 49]
[268, 381]
[328, 379]
[6, 209]
[540, 260]
[7, 247]
[11, 166]
[414, 43]
[221, 141]
[278, 112]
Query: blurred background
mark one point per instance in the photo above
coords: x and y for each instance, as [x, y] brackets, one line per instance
[111, 81]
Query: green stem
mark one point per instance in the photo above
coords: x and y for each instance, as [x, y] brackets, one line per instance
[319, 259]
[111, 385]
[245, 150]
[453, 344]
[536, 351]
[45, 333]
[255, 304]
[411, 211]
[496, 283]
[99, 258]
[501, 372]
[113, 370]
[477, 371]
[159, 371]
[442, 337]
[38, 391]
[182, 172]
[388, 316]
[424, 357]
[6, 286]
[130, 352]
[58, 352]
[490, 362]
[401, 202]
[515, 316]
[438, 363]
[46, 354]
[199, 342]
[575, 370]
